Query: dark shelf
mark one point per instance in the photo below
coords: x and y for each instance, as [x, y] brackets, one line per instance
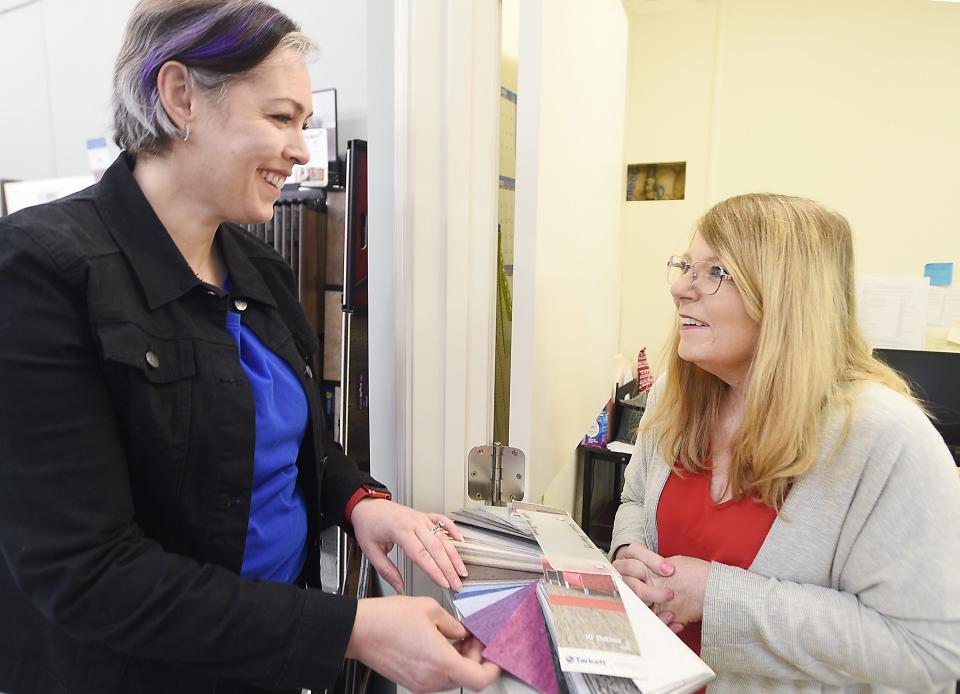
[598, 523]
[601, 525]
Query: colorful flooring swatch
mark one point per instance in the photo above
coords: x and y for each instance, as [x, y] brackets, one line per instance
[515, 637]
[471, 601]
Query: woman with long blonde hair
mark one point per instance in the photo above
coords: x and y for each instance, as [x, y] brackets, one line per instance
[789, 509]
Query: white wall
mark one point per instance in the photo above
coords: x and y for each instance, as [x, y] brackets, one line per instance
[852, 103]
[572, 71]
[57, 62]
[340, 29]
[57, 58]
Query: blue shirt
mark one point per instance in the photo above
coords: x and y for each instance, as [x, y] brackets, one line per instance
[276, 545]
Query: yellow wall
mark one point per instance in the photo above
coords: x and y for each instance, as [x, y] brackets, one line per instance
[852, 103]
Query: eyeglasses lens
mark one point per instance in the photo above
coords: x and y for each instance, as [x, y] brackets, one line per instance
[675, 269]
[704, 275]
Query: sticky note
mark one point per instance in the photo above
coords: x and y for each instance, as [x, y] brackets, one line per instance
[940, 274]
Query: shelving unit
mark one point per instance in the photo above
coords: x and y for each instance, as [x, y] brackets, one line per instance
[602, 481]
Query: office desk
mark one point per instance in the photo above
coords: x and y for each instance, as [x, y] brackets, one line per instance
[598, 523]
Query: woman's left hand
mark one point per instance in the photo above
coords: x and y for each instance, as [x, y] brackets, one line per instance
[380, 524]
[689, 584]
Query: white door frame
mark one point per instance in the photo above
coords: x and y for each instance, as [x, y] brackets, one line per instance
[432, 322]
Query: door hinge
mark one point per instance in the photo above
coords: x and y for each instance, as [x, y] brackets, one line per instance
[495, 474]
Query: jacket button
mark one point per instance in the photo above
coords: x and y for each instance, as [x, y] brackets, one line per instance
[240, 304]
[152, 359]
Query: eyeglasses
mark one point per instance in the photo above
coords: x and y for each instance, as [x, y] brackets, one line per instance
[705, 275]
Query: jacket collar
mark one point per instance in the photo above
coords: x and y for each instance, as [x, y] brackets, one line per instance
[158, 265]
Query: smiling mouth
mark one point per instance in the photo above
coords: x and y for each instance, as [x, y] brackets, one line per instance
[692, 323]
[276, 180]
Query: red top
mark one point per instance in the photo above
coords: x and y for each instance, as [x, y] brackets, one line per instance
[691, 524]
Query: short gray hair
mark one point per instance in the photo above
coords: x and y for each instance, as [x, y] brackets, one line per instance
[217, 42]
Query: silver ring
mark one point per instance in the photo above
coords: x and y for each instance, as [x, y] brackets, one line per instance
[437, 528]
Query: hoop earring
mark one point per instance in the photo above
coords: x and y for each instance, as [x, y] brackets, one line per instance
[186, 133]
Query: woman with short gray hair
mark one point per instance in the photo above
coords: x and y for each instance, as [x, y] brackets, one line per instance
[165, 472]
[156, 34]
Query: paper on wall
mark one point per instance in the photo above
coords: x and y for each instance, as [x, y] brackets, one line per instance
[951, 307]
[943, 307]
[935, 303]
[893, 310]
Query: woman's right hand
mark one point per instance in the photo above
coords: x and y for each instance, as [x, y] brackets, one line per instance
[407, 640]
[644, 572]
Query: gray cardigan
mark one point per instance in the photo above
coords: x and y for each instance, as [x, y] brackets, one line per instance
[857, 585]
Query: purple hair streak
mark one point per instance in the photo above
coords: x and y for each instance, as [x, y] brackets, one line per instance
[231, 39]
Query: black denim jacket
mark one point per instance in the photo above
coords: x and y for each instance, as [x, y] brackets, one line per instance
[126, 460]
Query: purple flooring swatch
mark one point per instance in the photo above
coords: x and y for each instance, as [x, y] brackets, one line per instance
[521, 646]
[485, 623]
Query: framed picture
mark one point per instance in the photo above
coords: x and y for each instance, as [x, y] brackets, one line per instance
[658, 181]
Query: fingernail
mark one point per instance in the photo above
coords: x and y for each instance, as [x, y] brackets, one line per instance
[667, 617]
[446, 583]
[666, 568]
[669, 595]
[463, 571]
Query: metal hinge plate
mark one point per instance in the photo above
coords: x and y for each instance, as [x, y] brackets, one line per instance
[495, 474]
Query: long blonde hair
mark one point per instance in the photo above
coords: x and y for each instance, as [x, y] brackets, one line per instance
[792, 261]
